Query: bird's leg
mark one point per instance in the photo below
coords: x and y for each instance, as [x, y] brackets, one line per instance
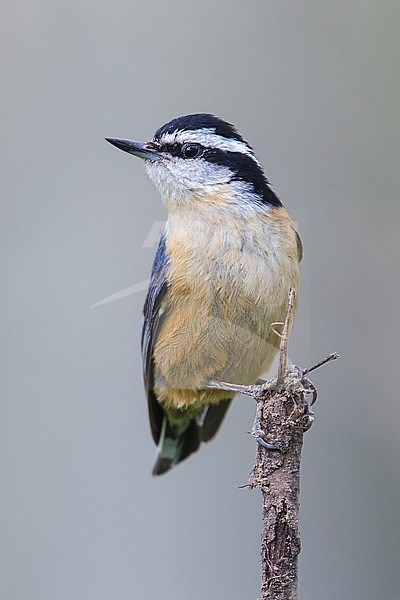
[250, 390]
[213, 384]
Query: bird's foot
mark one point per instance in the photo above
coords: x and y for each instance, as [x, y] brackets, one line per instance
[259, 436]
[258, 433]
[307, 417]
[306, 414]
[309, 387]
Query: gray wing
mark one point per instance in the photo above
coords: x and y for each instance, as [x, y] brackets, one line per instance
[189, 440]
[151, 322]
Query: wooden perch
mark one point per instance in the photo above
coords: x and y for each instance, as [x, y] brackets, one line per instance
[283, 414]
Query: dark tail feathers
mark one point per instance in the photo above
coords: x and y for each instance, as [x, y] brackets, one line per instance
[174, 447]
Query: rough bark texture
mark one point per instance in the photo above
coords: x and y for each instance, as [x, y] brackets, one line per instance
[283, 414]
[277, 474]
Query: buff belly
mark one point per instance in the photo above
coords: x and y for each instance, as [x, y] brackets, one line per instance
[222, 299]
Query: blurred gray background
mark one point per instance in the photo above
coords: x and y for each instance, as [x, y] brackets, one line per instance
[314, 87]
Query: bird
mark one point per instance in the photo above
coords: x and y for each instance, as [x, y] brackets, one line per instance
[227, 257]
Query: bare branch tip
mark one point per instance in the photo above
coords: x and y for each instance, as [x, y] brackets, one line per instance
[332, 356]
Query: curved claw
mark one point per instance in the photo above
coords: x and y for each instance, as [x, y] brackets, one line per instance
[307, 418]
[258, 433]
[307, 421]
[308, 384]
[261, 442]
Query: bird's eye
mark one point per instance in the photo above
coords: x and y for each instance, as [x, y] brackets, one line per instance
[192, 150]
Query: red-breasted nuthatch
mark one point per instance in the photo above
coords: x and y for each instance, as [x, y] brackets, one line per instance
[226, 260]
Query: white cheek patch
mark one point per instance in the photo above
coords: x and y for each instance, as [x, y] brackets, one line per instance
[176, 186]
[179, 178]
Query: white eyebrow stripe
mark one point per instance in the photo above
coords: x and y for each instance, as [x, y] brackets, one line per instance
[209, 139]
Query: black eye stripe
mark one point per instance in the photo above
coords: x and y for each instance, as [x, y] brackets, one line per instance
[243, 167]
[173, 149]
[186, 150]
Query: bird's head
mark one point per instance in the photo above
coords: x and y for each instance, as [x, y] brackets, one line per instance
[199, 155]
